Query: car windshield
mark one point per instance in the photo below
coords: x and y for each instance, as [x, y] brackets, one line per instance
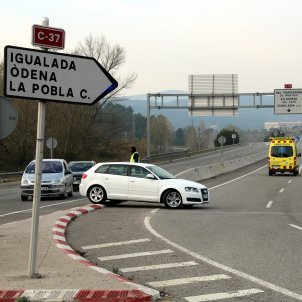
[160, 173]
[47, 167]
[80, 166]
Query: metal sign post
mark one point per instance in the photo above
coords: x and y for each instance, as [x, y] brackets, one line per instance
[221, 140]
[49, 76]
[37, 190]
[37, 186]
[51, 143]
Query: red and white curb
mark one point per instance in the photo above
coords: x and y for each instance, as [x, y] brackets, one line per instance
[72, 295]
[58, 231]
[140, 293]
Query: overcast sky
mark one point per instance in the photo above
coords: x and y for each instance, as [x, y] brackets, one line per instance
[168, 40]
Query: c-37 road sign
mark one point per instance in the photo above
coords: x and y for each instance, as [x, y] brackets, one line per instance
[42, 75]
[48, 37]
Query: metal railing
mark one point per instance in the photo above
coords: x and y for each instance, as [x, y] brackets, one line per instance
[10, 176]
[170, 156]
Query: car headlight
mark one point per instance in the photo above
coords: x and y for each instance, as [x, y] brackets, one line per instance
[24, 182]
[58, 181]
[191, 189]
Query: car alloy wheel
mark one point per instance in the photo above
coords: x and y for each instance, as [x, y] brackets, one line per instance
[172, 199]
[97, 194]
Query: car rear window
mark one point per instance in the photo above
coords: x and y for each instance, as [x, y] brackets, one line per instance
[80, 167]
[282, 151]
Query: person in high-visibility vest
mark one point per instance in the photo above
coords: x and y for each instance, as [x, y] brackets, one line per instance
[134, 158]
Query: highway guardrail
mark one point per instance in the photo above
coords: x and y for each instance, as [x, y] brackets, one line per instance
[170, 156]
[208, 171]
[10, 176]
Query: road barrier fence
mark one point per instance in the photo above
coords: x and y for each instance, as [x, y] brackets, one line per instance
[195, 174]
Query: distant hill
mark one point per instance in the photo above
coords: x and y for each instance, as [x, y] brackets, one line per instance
[247, 118]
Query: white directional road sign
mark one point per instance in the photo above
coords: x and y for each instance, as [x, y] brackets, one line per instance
[288, 101]
[42, 75]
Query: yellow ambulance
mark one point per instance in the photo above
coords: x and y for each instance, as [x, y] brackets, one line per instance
[282, 155]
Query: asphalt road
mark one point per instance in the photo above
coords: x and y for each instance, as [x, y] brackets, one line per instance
[13, 209]
[244, 246]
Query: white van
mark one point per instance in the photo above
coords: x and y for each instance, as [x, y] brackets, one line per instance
[56, 179]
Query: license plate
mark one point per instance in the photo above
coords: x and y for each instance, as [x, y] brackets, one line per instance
[44, 189]
[276, 167]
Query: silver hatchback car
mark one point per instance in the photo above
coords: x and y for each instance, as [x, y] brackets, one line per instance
[56, 179]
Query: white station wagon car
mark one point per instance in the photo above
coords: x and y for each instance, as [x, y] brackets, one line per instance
[124, 181]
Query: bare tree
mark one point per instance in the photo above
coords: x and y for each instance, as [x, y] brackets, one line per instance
[79, 121]
[161, 132]
[111, 58]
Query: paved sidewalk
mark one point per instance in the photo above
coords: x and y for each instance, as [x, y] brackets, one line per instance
[64, 275]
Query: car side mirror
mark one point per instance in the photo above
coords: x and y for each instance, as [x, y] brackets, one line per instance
[67, 172]
[150, 176]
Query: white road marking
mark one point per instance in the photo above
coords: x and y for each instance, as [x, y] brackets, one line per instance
[133, 255]
[242, 176]
[282, 190]
[270, 203]
[48, 206]
[238, 273]
[289, 181]
[157, 266]
[5, 190]
[17, 212]
[110, 244]
[295, 226]
[219, 296]
[182, 281]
